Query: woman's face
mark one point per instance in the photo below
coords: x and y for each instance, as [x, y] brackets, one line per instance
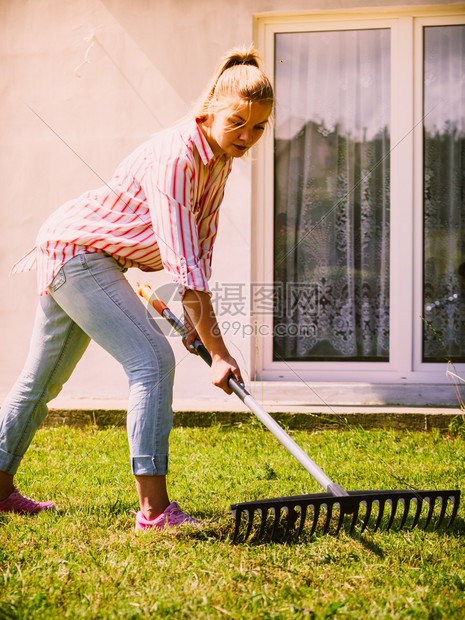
[233, 129]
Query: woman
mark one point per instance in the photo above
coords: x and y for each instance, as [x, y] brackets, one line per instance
[159, 211]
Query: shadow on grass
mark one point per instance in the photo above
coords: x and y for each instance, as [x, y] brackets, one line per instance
[368, 544]
[456, 529]
[9, 611]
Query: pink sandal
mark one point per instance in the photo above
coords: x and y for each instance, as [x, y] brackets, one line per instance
[15, 502]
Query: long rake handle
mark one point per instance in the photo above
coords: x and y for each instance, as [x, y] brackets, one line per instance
[318, 474]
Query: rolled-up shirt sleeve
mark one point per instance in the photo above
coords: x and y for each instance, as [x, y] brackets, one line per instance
[170, 190]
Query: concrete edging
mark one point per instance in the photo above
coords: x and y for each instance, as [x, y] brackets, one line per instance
[414, 421]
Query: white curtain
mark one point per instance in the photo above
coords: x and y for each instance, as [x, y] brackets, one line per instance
[331, 268]
[444, 194]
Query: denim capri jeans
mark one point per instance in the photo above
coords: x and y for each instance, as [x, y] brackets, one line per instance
[90, 298]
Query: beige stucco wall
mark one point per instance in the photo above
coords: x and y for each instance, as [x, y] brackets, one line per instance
[149, 61]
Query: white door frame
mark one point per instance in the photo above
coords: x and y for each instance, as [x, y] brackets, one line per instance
[406, 251]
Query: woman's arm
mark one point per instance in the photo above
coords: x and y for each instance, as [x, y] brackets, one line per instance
[198, 306]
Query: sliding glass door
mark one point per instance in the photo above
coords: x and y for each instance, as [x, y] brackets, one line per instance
[444, 194]
[332, 206]
[360, 198]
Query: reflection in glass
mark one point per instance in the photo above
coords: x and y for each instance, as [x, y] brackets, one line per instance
[331, 245]
[444, 194]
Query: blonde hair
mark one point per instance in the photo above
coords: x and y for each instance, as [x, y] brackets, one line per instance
[238, 75]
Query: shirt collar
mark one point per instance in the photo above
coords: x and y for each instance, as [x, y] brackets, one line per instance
[200, 141]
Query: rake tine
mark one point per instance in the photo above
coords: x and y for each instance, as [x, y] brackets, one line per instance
[381, 504]
[250, 514]
[406, 504]
[455, 501]
[291, 519]
[303, 514]
[354, 519]
[432, 503]
[367, 516]
[394, 505]
[342, 514]
[277, 519]
[329, 514]
[316, 516]
[419, 503]
[264, 513]
[443, 511]
[237, 525]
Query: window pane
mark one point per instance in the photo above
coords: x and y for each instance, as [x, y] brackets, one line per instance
[444, 194]
[331, 245]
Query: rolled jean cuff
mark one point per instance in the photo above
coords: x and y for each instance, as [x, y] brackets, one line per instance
[150, 465]
[9, 463]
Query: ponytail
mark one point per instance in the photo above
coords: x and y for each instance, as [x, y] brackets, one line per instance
[238, 75]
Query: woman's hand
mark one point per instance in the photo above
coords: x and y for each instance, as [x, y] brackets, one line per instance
[222, 370]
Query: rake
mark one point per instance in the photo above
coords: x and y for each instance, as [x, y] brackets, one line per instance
[284, 518]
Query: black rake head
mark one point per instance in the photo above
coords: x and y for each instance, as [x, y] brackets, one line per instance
[286, 518]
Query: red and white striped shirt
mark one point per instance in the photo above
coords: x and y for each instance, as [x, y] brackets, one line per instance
[160, 210]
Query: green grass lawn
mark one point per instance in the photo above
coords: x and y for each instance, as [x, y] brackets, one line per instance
[86, 561]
